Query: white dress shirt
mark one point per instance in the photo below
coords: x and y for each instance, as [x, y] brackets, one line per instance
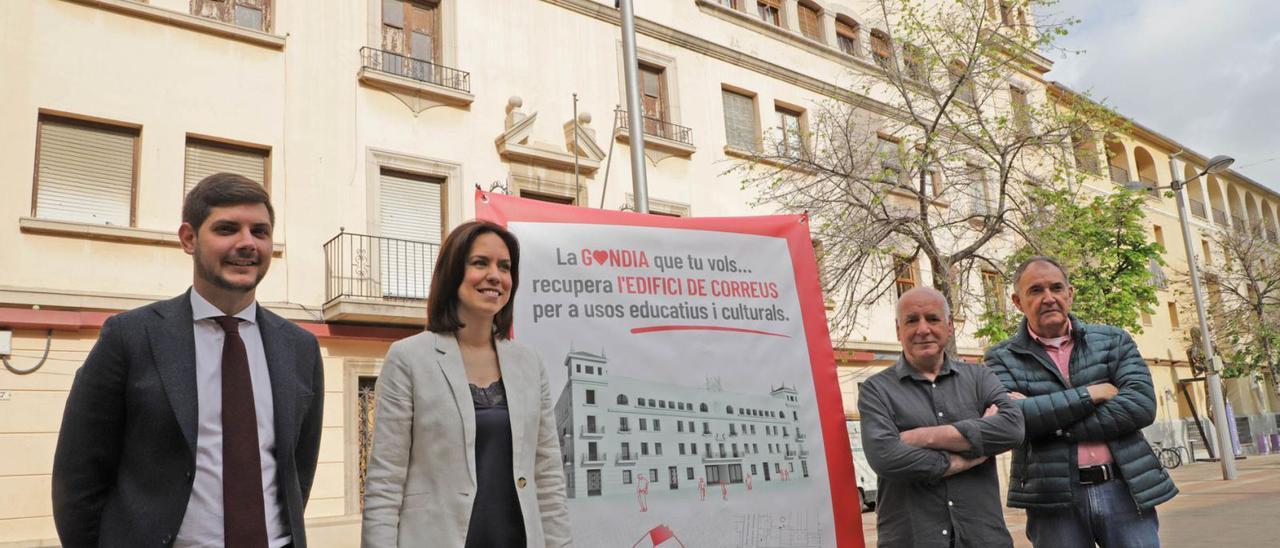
[202, 524]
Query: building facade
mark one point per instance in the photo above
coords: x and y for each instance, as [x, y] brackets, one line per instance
[371, 123]
[613, 429]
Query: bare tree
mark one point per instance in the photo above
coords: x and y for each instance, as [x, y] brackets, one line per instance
[1243, 286]
[926, 155]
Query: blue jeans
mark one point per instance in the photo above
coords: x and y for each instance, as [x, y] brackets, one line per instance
[1105, 514]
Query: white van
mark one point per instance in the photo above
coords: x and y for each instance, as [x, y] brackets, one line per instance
[865, 475]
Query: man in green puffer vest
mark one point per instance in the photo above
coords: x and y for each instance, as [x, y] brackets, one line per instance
[1084, 473]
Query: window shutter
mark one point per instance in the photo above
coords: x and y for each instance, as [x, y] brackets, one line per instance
[205, 158]
[409, 211]
[86, 173]
[739, 121]
[809, 22]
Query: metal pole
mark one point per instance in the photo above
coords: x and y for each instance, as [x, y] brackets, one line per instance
[577, 187]
[1226, 456]
[635, 116]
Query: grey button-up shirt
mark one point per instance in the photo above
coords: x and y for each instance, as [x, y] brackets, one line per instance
[916, 505]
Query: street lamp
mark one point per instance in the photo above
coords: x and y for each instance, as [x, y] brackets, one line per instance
[1216, 165]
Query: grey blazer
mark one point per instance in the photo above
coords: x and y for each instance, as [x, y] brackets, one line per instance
[421, 479]
[125, 460]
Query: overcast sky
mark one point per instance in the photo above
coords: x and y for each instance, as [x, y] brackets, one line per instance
[1205, 73]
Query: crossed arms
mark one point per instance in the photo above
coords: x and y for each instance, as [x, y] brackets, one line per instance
[934, 452]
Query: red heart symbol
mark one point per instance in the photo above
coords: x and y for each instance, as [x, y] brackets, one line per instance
[600, 256]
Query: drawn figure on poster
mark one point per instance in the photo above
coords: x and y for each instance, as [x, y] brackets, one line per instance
[724, 489]
[748, 480]
[642, 492]
[702, 488]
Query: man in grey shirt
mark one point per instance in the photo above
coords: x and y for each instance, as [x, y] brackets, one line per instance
[929, 427]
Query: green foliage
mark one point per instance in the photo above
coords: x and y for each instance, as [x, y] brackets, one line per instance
[1102, 243]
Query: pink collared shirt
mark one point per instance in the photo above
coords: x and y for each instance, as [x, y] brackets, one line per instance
[1089, 453]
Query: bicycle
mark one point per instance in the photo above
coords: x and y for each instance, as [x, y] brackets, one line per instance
[1170, 457]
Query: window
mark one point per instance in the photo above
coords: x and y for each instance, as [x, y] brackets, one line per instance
[626, 477]
[411, 29]
[644, 424]
[680, 446]
[206, 157]
[1021, 111]
[731, 4]
[984, 202]
[653, 88]
[913, 63]
[85, 171]
[739, 120]
[1158, 234]
[1204, 250]
[993, 290]
[679, 426]
[809, 22]
[960, 82]
[644, 447]
[622, 425]
[847, 37]
[690, 472]
[622, 399]
[770, 11]
[662, 404]
[881, 49]
[1146, 318]
[1173, 316]
[791, 143]
[591, 394]
[657, 425]
[889, 154]
[1006, 13]
[657, 449]
[905, 274]
[250, 14]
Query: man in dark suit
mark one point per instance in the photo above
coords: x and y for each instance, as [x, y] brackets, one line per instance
[196, 421]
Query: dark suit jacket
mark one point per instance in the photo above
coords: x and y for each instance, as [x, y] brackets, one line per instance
[125, 460]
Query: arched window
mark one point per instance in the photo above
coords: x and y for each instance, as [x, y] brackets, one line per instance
[702, 408]
[622, 399]
[847, 36]
[881, 49]
[728, 409]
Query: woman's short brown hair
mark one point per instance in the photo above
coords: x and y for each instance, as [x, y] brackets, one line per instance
[451, 265]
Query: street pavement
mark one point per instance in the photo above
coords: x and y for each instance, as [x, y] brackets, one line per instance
[1208, 512]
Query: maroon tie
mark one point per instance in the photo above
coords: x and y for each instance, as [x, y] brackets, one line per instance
[244, 523]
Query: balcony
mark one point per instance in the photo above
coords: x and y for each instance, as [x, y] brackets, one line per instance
[427, 83]
[374, 279]
[590, 433]
[1197, 208]
[593, 459]
[624, 429]
[800, 436]
[1219, 217]
[662, 139]
[804, 453]
[1119, 175]
[719, 457]
[790, 455]
[1239, 225]
[624, 459]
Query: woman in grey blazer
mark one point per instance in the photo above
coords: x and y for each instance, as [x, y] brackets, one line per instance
[465, 452]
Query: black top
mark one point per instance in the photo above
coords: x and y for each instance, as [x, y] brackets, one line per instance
[917, 506]
[496, 519]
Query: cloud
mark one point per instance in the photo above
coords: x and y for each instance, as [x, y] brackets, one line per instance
[1204, 73]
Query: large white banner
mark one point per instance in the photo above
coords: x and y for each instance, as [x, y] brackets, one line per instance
[692, 375]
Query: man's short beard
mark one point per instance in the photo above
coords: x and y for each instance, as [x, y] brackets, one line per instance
[208, 275]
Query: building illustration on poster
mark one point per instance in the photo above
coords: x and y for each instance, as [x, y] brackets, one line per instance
[615, 429]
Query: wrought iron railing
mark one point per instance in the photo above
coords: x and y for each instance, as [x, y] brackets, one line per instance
[657, 128]
[1119, 175]
[417, 69]
[597, 458]
[1220, 216]
[1197, 207]
[1239, 224]
[377, 267]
